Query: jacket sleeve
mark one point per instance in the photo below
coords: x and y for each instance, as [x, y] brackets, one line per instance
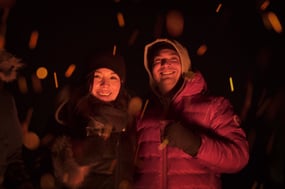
[226, 150]
[62, 158]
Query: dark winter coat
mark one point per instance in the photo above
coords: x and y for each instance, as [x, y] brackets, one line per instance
[105, 163]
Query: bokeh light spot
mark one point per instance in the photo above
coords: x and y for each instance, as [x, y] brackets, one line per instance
[41, 72]
[174, 23]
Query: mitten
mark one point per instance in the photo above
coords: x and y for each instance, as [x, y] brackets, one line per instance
[181, 137]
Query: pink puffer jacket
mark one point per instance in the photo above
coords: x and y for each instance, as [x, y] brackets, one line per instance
[224, 147]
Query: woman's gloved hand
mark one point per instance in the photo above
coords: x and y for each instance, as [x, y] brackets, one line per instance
[178, 135]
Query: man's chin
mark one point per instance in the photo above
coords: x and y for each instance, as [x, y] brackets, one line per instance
[167, 80]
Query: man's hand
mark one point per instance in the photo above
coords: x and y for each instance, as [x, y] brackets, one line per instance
[178, 135]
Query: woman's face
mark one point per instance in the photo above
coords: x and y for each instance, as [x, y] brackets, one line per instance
[106, 84]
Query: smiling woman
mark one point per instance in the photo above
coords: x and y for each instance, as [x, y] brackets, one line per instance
[97, 147]
[107, 77]
[106, 84]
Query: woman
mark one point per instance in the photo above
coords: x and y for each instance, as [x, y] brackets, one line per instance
[96, 150]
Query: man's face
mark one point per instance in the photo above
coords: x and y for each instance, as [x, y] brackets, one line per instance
[166, 69]
[106, 84]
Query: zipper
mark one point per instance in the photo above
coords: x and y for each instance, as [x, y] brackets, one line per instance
[164, 168]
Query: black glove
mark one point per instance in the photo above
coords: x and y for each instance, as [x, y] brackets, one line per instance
[179, 136]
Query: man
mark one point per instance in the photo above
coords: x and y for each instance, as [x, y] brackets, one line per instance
[186, 139]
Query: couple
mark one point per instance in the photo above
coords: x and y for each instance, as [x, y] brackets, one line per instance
[181, 138]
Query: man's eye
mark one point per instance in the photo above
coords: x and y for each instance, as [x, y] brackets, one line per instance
[174, 59]
[157, 61]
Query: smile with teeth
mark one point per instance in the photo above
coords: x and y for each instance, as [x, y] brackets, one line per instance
[167, 72]
[104, 93]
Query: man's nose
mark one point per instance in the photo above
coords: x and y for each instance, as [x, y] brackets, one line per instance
[164, 61]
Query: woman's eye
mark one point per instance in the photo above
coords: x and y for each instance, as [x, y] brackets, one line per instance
[114, 78]
[96, 76]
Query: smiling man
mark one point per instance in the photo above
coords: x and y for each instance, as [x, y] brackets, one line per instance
[166, 69]
[185, 138]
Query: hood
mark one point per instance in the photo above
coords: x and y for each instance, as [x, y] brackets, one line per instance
[181, 50]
